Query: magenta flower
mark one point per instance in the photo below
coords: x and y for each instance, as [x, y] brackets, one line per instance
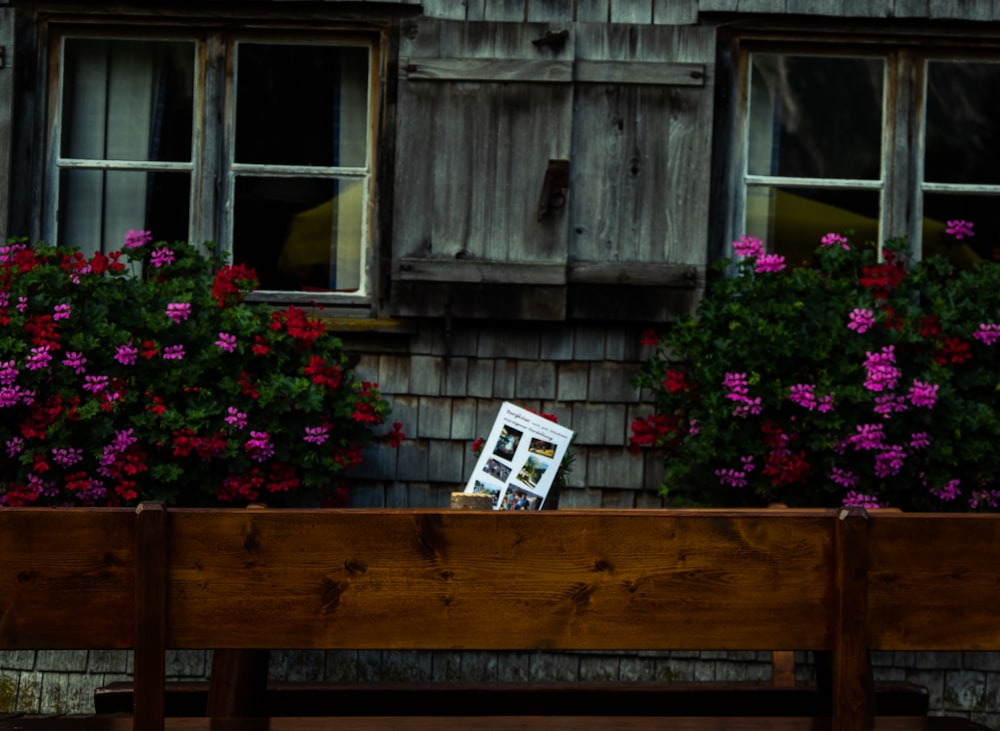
[867, 437]
[236, 418]
[881, 368]
[842, 477]
[76, 361]
[126, 354]
[923, 394]
[38, 358]
[959, 229]
[14, 395]
[22, 304]
[889, 462]
[861, 320]
[178, 311]
[889, 403]
[804, 395]
[770, 263]
[66, 457]
[733, 478]
[8, 373]
[989, 497]
[748, 246]
[227, 342]
[134, 238]
[856, 499]
[173, 352]
[316, 434]
[161, 257]
[920, 440]
[948, 491]
[62, 312]
[832, 239]
[14, 446]
[95, 384]
[259, 446]
[987, 333]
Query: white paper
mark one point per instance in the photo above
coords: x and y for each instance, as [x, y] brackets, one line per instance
[519, 460]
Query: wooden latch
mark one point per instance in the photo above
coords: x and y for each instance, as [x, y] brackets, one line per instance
[554, 187]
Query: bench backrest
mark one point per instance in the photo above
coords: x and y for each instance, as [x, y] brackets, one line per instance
[425, 579]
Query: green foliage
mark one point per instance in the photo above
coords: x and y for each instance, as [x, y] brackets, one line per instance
[851, 381]
[144, 374]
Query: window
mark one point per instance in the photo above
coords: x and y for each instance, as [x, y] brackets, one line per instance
[262, 145]
[886, 143]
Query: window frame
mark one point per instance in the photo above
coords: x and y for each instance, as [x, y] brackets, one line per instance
[902, 185]
[212, 167]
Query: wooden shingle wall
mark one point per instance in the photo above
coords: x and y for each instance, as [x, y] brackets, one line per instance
[446, 388]
[672, 12]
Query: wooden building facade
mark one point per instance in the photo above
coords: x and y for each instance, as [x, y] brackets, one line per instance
[492, 199]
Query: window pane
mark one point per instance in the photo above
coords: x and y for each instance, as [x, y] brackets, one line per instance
[97, 207]
[963, 137]
[982, 210]
[127, 100]
[302, 105]
[791, 221]
[816, 117]
[299, 233]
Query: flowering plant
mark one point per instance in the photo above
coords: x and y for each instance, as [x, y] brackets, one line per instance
[144, 374]
[855, 380]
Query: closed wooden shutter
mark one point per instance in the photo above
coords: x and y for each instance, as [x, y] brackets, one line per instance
[546, 172]
[482, 112]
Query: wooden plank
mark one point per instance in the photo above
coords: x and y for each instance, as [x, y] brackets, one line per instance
[593, 11]
[6, 116]
[431, 580]
[632, 11]
[484, 69]
[761, 6]
[675, 12]
[505, 10]
[550, 11]
[814, 7]
[961, 9]
[149, 659]
[53, 561]
[867, 8]
[637, 274]
[934, 582]
[717, 6]
[852, 682]
[649, 144]
[633, 72]
[479, 272]
[910, 9]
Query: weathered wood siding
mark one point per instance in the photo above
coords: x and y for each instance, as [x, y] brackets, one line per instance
[673, 12]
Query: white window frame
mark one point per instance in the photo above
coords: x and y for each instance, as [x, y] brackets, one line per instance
[212, 167]
[901, 185]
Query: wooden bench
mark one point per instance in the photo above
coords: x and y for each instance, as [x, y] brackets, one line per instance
[836, 582]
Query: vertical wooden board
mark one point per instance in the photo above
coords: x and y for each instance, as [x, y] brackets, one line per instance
[650, 146]
[717, 6]
[814, 7]
[505, 10]
[911, 8]
[551, 11]
[866, 8]
[761, 6]
[632, 11]
[961, 9]
[593, 11]
[451, 9]
[675, 12]
[6, 116]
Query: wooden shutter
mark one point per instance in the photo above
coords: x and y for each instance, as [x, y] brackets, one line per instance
[642, 129]
[6, 115]
[484, 116]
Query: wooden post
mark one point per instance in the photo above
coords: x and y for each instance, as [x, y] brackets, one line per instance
[149, 612]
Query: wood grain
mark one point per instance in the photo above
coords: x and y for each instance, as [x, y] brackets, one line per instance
[54, 562]
[427, 580]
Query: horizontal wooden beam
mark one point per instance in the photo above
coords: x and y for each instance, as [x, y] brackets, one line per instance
[485, 69]
[547, 71]
[631, 72]
[473, 271]
[642, 274]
